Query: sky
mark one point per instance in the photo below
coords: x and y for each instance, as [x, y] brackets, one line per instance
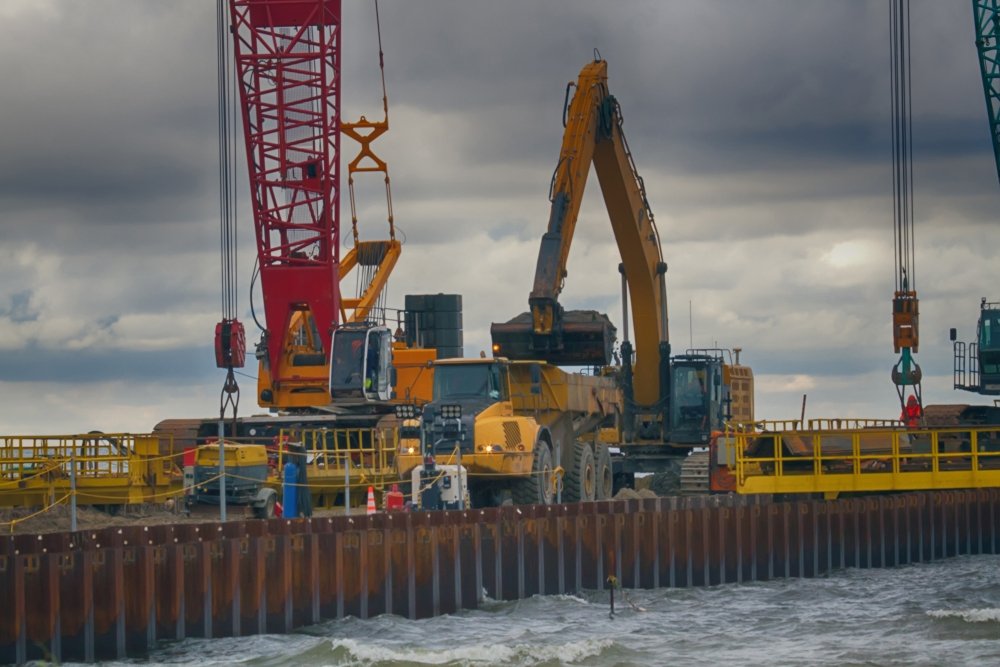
[761, 129]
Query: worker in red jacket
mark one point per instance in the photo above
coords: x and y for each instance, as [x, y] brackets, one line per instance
[912, 413]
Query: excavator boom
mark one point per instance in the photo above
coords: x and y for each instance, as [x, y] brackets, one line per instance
[593, 135]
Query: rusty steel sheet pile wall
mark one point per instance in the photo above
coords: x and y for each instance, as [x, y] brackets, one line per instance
[102, 594]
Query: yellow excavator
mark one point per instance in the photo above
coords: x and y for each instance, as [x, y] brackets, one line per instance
[670, 404]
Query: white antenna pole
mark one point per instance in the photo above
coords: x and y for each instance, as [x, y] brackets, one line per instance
[690, 326]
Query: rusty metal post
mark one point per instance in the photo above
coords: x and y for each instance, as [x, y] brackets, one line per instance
[755, 512]
[258, 584]
[20, 613]
[561, 551]
[683, 534]
[668, 549]
[233, 557]
[467, 580]
[479, 558]
[53, 622]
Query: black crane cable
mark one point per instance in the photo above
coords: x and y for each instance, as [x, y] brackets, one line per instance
[227, 186]
[227, 195]
[369, 261]
[902, 142]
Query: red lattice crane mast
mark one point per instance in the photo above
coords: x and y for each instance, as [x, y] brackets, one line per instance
[287, 56]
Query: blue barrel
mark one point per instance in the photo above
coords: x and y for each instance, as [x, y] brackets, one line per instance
[290, 491]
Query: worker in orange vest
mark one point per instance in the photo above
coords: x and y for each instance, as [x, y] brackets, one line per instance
[912, 413]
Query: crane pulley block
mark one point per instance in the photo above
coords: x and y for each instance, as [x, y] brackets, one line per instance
[230, 344]
[905, 317]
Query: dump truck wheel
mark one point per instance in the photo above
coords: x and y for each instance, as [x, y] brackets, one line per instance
[581, 478]
[266, 511]
[604, 482]
[536, 489]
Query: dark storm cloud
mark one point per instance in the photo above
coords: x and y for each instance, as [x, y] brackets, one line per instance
[114, 183]
[766, 90]
[113, 120]
[37, 364]
[757, 126]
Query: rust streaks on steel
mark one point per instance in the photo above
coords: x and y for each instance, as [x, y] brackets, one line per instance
[104, 594]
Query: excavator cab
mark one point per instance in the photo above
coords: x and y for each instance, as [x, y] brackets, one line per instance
[698, 398]
[988, 339]
[977, 365]
[361, 362]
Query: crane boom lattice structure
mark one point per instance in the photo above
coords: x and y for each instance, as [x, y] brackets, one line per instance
[288, 66]
[977, 365]
[986, 13]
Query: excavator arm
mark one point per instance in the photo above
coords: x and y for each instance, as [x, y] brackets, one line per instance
[588, 118]
[593, 135]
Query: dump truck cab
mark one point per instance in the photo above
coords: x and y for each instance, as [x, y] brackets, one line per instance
[510, 424]
[471, 422]
[464, 389]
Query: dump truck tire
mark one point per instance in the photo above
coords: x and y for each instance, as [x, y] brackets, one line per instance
[536, 489]
[581, 478]
[266, 509]
[604, 487]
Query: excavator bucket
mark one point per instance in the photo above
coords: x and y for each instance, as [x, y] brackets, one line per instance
[581, 338]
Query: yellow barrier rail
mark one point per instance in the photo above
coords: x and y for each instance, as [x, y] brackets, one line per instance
[343, 458]
[864, 459]
[816, 424]
[106, 468]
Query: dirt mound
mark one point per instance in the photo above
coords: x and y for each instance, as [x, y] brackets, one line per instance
[627, 494]
[27, 520]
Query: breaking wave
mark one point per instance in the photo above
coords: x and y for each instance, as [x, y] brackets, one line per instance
[968, 615]
[353, 652]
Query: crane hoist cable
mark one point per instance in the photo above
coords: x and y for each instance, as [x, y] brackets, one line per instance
[230, 340]
[906, 372]
[370, 255]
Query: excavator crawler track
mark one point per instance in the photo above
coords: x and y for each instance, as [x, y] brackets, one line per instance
[694, 475]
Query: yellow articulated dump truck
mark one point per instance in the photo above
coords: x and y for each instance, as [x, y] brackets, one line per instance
[519, 430]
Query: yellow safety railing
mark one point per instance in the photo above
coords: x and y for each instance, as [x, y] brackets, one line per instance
[342, 457]
[102, 466]
[817, 424]
[871, 458]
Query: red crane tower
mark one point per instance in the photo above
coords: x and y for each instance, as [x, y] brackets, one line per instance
[287, 56]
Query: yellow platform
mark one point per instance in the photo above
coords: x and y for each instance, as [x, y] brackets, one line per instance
[105, 468]
[858, 456]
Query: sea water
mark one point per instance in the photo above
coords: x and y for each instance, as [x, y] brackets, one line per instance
[941, 613]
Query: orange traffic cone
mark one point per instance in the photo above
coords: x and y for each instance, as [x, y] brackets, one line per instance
[371, 500]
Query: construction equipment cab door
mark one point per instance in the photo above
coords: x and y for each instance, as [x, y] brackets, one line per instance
[698, 399]
[361, 364]
[989, 349]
